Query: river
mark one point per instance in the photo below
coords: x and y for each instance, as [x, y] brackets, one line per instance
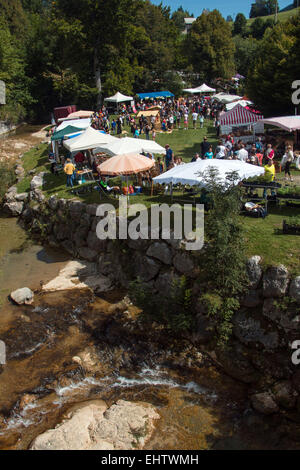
[200, 407]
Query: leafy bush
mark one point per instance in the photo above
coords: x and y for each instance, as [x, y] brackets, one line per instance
[174, 312]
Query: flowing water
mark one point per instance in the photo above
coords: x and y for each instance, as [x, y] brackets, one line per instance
[200, 408]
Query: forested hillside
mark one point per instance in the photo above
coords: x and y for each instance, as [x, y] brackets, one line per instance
[62, 52]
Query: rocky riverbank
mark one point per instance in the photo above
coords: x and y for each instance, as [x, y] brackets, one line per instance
[264, 328]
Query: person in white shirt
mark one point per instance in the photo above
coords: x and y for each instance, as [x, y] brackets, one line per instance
[195, 117]
[221, 151]
[242, 154]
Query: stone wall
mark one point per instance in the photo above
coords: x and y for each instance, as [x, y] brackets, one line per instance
[266, 325]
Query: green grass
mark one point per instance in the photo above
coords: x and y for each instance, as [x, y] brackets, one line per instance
[283, 16]
[264, 236]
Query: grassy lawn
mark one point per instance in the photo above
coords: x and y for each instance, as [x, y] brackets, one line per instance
[283, 16]
[264, 236]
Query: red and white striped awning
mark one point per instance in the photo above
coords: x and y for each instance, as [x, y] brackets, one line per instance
[239, 116]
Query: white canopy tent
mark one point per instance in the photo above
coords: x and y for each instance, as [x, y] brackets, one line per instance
[243, 103]
[200, 89]
[130, 145]
[192, 173]
[226, 98]
[89, 139]
[118, 98]
[80, 123]
[288, 123]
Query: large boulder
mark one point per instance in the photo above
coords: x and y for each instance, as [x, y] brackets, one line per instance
[37, 181]
[183, 263]
[285, 395]
[21, 197]
[145, 268]
[86, 253]
[124, 426]
[22, 296]
[295, 289]
[264, 403]
[160, 251]
[250, 331]
[13, 208]
[275, 281]
[254, 271]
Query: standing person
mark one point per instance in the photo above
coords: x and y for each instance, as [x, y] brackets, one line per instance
[259, 146]
[169, 158]
[286, 162]
[113, 126]
[69, 169]
[221, 151]
[186, 120]
[205, 145]
[209, 155]
[160, 165]
[195, 117]
[270, 154]
[153, 134]
[147, 131]
[119, 127]
[242, 153]
[269, 174]
[196, 158]
[201, 119]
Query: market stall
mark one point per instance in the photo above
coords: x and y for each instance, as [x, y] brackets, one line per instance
[242, 120]
[128, 145]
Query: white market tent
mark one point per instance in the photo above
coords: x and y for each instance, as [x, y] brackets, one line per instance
[243, 103]
[80, 123]
[200, 89]
[118, 98]
[288, 123]
[89, 139]
[130, 145]
[192, 173]
[240, 117]
[226, 98]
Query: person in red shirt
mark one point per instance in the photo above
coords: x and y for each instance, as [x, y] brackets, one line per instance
[79, 159]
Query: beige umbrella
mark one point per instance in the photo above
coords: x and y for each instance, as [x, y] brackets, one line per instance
[126, 164]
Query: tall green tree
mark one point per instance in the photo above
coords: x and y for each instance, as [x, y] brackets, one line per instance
[240, 25]
[210, 46]
[277, 66]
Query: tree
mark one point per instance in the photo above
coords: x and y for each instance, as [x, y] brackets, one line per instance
[245, 54]
[263, 8]
[210, 46]
[229, 19]
[277, 65]
[240, 25]
[225, 242]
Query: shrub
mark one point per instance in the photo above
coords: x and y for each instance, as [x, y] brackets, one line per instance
[7, 178]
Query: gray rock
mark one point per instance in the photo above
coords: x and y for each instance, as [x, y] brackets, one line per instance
[254, 271]
[21, 197]
[284, 317]
[295, 289]
[285, 395]
[264, 403]
[87, 253]
[296, 380]
[13, 208]
[37, 195]
[250, 331]
[160, 251]
[53, 202]
[22, 296]
[204, 331]
[94, 243]
[183, 263]
[275, 281]
[139, 244]
[80, 236]
[145, 268]
[62, 231]
[37, 181]
[91, 209]
[124, 426]
[76, 208]
[252, 299]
